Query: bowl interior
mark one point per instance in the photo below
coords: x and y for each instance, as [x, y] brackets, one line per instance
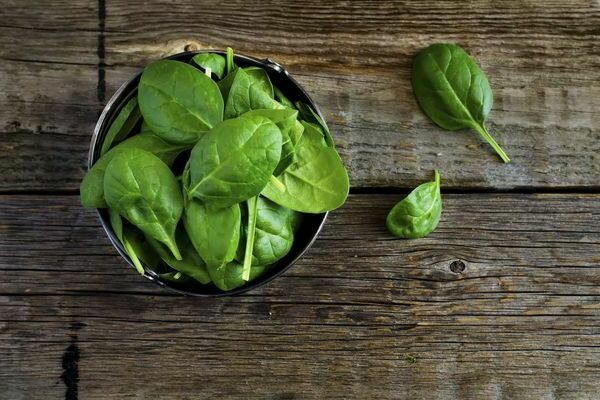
[311, 223]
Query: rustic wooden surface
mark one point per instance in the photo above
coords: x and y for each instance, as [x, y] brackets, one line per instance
[502, 301]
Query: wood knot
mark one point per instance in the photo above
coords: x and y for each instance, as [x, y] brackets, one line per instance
[457, 266]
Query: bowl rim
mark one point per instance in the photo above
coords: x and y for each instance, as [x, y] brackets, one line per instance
[103, 119]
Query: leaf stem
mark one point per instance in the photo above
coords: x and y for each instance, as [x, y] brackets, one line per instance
[229, 60]
[207, 71]
[172, 245]
[252, 210]
[134, 258]
[486, 135]
[437, 177]
[277, 183]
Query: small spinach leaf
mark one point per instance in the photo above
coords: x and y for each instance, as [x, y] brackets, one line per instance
[92, 186]
[191, 263]
[249, 89]
[229, 276]
[215, 234]
[310, 115]
[418, 214]
[234, 161]
[215, 62]
[141, 188]
[178, 102]
[282, 99]
[453, 91]
[127, 118]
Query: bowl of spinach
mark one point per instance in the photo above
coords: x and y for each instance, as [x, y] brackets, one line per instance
[212, 172]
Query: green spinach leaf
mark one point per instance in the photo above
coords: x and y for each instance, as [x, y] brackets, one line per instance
[191, 263]
[229, 276]
[178, 102]
[274, 233]
[453, 91]
[249, 89]
[418, 214]
[234, 161]
[212, 61]
[316, 182]
[141, 188]
[282, 99]
[310, 115]
[92, 186]
[215, 234]
[124, 122]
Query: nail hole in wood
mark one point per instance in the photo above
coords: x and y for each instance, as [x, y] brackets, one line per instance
[457, 266]
[190, 47]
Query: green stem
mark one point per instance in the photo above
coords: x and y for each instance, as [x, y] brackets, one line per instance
[437, 177]
[207, 71]
[229, 62]
[277, 183]
[134, 258]
[172, 245]
[252, 210]
[485, 134]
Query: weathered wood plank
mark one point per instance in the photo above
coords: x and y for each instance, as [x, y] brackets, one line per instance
[49, 102]
[521, 320]
[355, 59]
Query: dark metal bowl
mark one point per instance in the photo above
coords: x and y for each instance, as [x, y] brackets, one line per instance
[311, 224]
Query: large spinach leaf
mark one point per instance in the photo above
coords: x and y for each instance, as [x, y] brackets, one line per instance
[453, 91]
[92, 187]
[212, 61]
[122, 125]
[418, 214]
[316, 182]
[215, 234]
[178, 102]
[234, 161]
[141, 188]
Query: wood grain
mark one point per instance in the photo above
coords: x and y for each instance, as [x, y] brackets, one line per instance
[362, 315]
[353, 57]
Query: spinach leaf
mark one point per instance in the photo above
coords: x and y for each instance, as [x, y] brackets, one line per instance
[453, 91]
[250, 89]
[291, 132]
[310, 115]
[274, 234]
[212, 61]
[178, 102]
[282, 99]
[234, 161]
[191, 263]
[316, 182]
[418, 214]
[141, 188]
[122, 125]
[313, 133]
[250, 231]
[229, 276]
[215, 234]
[92, 187]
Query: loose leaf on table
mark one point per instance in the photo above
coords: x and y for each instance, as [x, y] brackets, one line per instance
[215, 62]
[309, 115]
[274, 233]
[122, 125]
[234, 161]
[418, 214]
[453, 91]
[316, 182]
[229, 276]
[291, 132]
[250, 89]
[178, 102]
[191, 264]
[92, 186]
[142, 189]
[215, 234]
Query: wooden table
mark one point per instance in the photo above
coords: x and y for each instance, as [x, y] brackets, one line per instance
[502, 301]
